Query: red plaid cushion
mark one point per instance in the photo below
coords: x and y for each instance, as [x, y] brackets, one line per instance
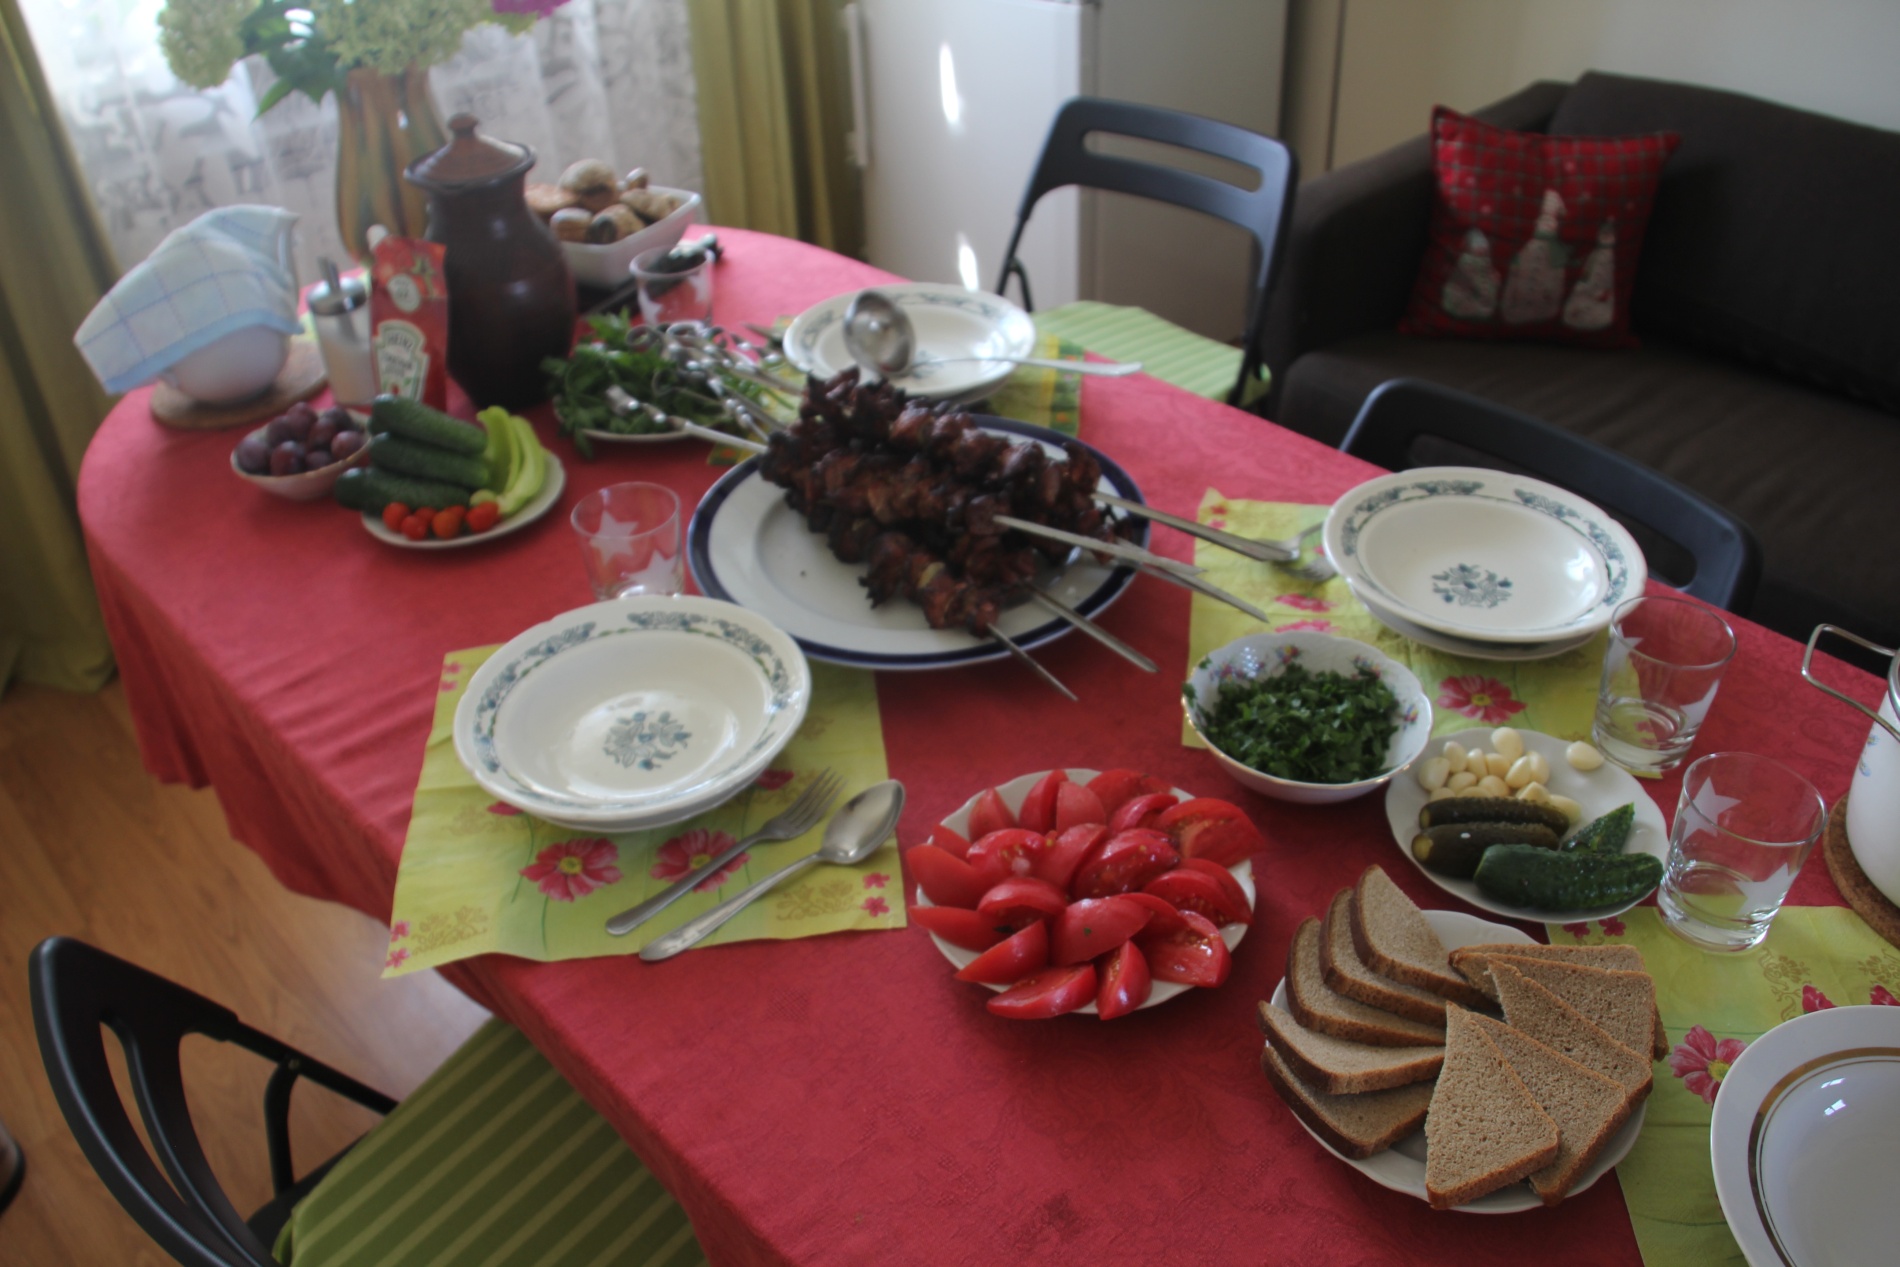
[1534, 236]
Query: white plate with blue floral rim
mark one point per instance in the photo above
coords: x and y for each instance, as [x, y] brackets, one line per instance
[1402, 1166]
[1469, 647]
[949, 321]
[634, 713]
[1484, 555]
[1801, 1139]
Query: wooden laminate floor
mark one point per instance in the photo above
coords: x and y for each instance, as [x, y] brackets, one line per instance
[91, 846]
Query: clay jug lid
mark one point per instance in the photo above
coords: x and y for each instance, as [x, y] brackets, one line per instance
[469, 160]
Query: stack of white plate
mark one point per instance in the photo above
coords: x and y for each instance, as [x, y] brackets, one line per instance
[948, 322]
[1483, 563]
[632, 714]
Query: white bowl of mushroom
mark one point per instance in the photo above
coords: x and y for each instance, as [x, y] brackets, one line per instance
[602, 221]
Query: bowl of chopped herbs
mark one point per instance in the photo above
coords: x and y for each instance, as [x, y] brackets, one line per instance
[1307, 717]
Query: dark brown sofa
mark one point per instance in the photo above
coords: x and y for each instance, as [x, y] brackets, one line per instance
[1767, 301]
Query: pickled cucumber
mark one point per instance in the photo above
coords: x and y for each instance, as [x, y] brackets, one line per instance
[1567, 880]
[1609, 834]
[1492, 809]
[1453, 849]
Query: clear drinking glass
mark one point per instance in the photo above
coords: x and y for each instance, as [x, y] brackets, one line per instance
[1666, 659]
[1743, 828]
[630, 540]
[676, 294]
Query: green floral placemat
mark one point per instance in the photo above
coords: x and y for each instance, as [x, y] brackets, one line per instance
[478, 876]
[1713, 1006]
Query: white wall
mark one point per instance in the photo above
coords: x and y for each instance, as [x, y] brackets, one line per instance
[1395, 59]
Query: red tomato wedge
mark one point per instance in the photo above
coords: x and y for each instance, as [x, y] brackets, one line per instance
[1039, 807]
[1117, 787]
[1124, 863]
[1093, 927]
[1011, 959]
[1051, 992]
[1142, 811]
[989, 814]
[959, 927]
[1199, 892]
[948, 841]
[1020, 901]
[946, 879]
[1125, 982]
[1193, 955]
[1221, 876]
[1011, 851]
[1057, 864]
[1212, 829]
[1076, 805]
[1163, 917]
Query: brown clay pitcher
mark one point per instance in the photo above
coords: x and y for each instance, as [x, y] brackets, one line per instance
[511, 297]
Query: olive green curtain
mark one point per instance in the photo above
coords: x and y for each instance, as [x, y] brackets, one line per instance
[54, 265]
[774, 89]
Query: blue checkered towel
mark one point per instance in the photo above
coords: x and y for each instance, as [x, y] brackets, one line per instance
[218, 274]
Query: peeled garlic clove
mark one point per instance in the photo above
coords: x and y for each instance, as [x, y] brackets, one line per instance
[1509, 744]
[1535, 793]
[1520, 773]
[1497, 763]
[1492, 785]
[1461, 781]
[1540, 766]
[1454, 757]
[1432, 774]
[1582, 756]
[1569, 808]
[1441, 794]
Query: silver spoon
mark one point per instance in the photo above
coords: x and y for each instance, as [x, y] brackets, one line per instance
[854, 833]
[879, 337]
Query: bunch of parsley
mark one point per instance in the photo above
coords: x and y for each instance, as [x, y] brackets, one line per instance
[1310, 727]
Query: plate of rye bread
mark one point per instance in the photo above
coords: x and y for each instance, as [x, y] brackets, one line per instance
[1454, 1059]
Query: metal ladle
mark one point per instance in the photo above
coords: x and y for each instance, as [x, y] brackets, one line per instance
[879, 336]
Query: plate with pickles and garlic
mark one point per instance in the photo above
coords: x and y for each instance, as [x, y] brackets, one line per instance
[1528, 826]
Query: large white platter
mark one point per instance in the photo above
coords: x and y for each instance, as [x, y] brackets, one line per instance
[631, 714]
[1013, 794]
[1599, 791]
[1483, 554]
[1402, 1166]
[1802, 1138]
[948, 321]
[747, 546]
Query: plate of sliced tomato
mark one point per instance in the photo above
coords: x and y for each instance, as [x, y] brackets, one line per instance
[1095, 892]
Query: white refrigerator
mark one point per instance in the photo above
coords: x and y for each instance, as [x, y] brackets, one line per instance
[952, 100]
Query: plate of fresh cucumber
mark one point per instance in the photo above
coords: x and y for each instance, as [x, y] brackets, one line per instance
[537, 506]
[1566, 853]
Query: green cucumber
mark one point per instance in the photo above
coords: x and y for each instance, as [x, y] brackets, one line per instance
[401, 416]
[1609, 834]
[1491, 809]
[370, 489]
[1543, 880]
[1453, 849]
[404, 456]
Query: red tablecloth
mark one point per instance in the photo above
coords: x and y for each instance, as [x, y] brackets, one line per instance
[839, 1099]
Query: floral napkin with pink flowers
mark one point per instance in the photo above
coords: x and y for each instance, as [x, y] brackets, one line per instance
[1713, 1006]
[480, 877]
[1557, 696]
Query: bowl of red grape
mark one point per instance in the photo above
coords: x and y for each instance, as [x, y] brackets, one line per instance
[300, 453]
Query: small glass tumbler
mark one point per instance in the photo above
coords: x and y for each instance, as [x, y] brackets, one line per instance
[630, 540]
[1665, 661]
[674, 285]
[1743, 829]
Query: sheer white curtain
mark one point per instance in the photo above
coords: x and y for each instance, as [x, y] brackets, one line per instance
[607, 79]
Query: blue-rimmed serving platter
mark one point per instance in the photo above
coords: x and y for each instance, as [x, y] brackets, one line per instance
[745, 545]
[948, 321]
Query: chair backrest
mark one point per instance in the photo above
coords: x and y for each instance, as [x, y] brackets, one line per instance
[1404, 415]
[1263, 212]
[77, 990]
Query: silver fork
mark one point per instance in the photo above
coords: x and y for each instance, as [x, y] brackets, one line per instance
[1317, 568]
[1282, 554]
[789, 823]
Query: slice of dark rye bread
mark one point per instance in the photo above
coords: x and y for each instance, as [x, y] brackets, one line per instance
[1342, 969]
[1358, 1125]
[1623, 1003]
[1470, 960]
[1589, 1109]
[1318, 1006]
[1484, 1128]
[1392, 938]
[1338, 1067]
[1551, 1021]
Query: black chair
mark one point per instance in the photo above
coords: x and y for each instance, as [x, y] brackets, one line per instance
[76, 990]
[1689, 541]
[1067, 160]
